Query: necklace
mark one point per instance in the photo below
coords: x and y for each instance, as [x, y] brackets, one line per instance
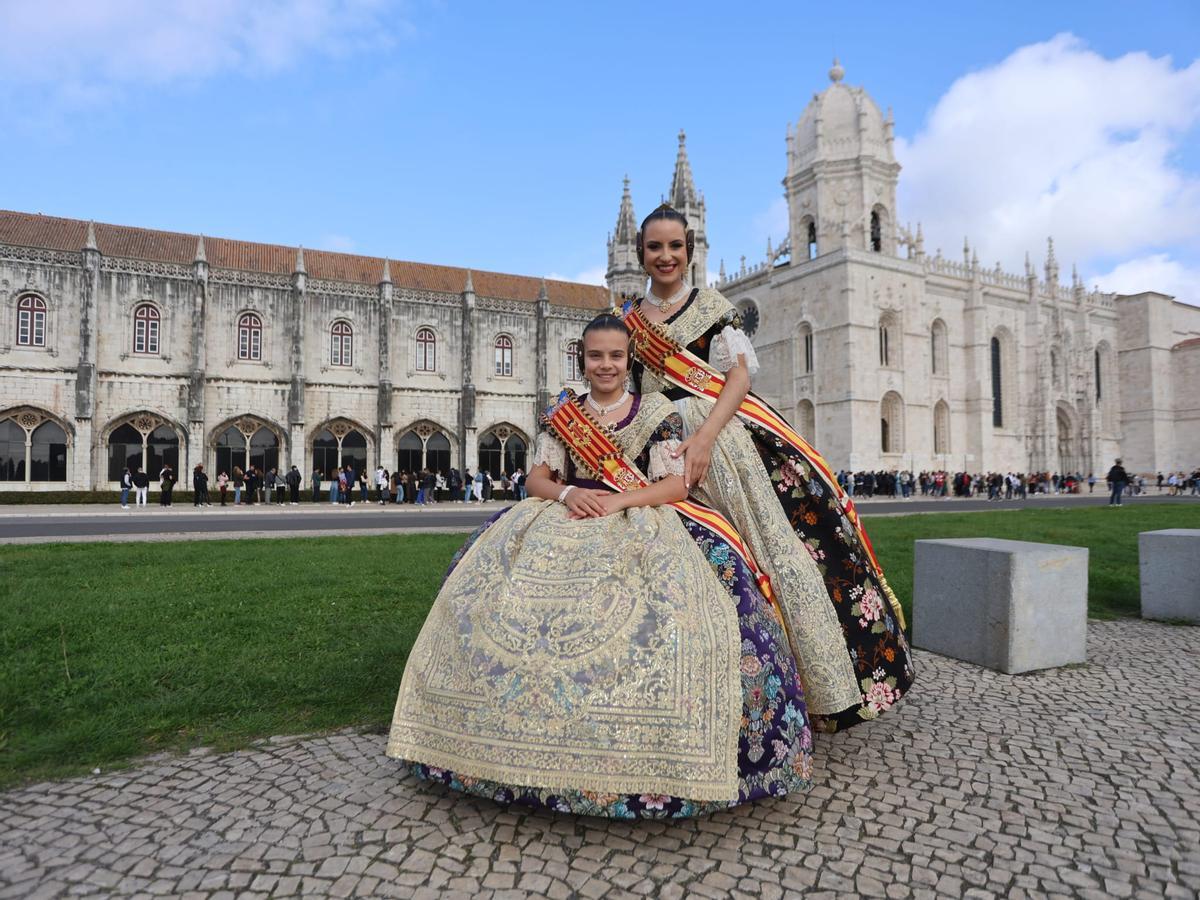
[664, 305]
[605, 410]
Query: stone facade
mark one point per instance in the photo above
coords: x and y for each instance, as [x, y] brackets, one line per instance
[888, 358]
[112, 338]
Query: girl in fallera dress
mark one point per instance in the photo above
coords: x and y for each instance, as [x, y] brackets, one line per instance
[743, 460]
[605, 647]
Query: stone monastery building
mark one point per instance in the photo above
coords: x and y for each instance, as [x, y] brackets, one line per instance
[122, 345]
[888, 358]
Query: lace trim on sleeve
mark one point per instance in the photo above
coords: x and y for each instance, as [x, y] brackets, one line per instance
[551, 451]
[661, 463]
[727, 346]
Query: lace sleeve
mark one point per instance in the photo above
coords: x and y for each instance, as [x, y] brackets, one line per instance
[661, 463]
[728, 346]
[551, 451]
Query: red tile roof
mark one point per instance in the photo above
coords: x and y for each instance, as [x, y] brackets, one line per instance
[1190, 342]
[52, 233]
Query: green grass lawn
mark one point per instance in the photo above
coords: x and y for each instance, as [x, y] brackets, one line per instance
[112, 651]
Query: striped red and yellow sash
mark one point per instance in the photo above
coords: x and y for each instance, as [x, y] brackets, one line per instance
[679, 366]
[596, 452]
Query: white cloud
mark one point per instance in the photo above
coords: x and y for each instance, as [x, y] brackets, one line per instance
[593, 275]
[339, 243]
[1156, 272]
[1058, 140]
[77, 53]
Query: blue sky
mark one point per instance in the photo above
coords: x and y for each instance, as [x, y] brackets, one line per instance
[496, 135]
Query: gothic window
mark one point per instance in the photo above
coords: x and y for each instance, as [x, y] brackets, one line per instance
[806, 420]
[12, 451]
[941, 427]
[162, 448]
[437, 453]
[571, 361]
[876, 232]
[32, 448]
[426, 350]
[145, 329]
[997, 385]
[230, 447]
[31, 321]
[341, 344]
[748, 310]
[806, 349]
[504, 355]
[354, 450]
[1099, 373]
[891, 423]
[264, 450]
[889, 349]
[244, 444]
[502, 451]
[410, 453]
[250, 337]
[812, 239]
[423, 447]
[938, 350]
[1055, 368]
[125, 446]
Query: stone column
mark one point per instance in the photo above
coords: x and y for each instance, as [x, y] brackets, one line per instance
[196, 376]
[543, 353]
[385, 430]
[294, 454]
[85, 373]
[467, 450]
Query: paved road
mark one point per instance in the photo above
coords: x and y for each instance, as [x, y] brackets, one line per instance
[1075, 782]
[92, 522]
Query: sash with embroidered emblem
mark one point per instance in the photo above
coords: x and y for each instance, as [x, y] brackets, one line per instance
[598, 453]
[679, 366]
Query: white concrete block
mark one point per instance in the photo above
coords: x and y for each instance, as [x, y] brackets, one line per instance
[1169, 561]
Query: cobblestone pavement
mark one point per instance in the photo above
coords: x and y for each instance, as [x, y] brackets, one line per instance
[1082, 781]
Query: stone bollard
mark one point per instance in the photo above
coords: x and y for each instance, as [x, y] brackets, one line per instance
[1169, 561]
[1012, 606]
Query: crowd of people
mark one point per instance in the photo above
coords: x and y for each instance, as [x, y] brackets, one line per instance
[1007, 485]
[340, 486]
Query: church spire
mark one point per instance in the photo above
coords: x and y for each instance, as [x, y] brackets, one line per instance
[626, 221]
[683, 188]
[201, 256]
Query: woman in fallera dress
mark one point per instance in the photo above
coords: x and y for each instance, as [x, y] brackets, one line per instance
[594, 650]
[746, 462]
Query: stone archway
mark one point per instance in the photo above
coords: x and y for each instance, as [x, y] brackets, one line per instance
[1068, 440]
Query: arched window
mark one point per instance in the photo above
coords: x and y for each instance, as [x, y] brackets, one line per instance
[423, 446]
[806, 348]
[48, 453]
[889, 346]
[31, 321]
[32, 448]
[410, 455]
[941, 427]
[145, 329]
[876, 232]
[250, 337]
[891, 423]
[1099, 376]
[246, 443]
[812, 239]
[504, 355]
[997, 386]
[502, 451]
[571, 361]
[437, 453]
[145, 442]
[341, 344]
[426, 350]
[938, 350]
[1055, 368]
[339, 445]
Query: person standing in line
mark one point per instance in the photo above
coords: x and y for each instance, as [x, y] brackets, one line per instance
[223, 485]
[1117, 478]
[454, 483]
[468, 485]
[239, 482]
[126, 487]
[141, 485]
[345, 485]
[480, 481]
[430, 487]
[294, 478]
[268, 486]
[421, 488]
[316, 484]
[380, 483]
[199, 486]
[167, 481]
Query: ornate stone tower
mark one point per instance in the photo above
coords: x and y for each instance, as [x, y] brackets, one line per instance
[841, 173]
[685, 198]
[625, 277]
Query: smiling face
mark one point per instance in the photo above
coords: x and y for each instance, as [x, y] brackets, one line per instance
[664, 245]
[606, 360]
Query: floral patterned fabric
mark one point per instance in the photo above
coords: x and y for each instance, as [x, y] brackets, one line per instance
[879, 651]
[775, 737]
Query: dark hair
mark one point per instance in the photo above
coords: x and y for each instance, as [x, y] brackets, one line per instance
[604, 322]
[667, 213]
